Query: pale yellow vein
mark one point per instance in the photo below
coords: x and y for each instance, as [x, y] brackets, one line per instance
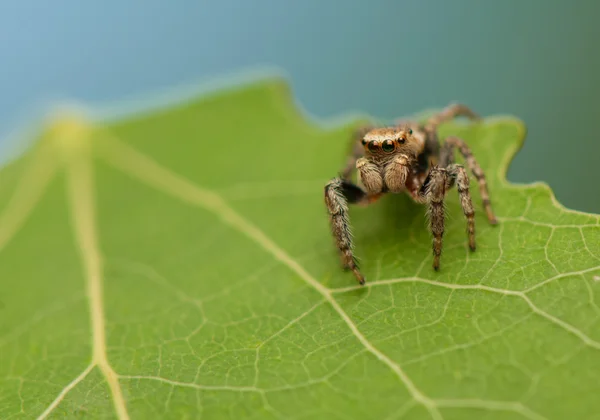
[69, 138]
[522, 219]
[75, 148]
[61, 396]
[30, 188]
[143, 168]
[585, 244]
[522, 294]
[278, 333]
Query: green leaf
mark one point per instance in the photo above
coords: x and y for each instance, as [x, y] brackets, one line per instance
[178, 263]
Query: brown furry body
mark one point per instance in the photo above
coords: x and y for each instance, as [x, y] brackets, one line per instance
[405, 158]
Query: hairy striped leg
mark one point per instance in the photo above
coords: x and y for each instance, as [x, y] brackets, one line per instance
[439, 181]
[434, 195]
[341, 192]
[338, 194]
[458, 174]
[450, 112]
[430, 127]
[446, 157]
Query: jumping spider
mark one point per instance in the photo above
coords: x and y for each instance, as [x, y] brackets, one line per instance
[406, 157]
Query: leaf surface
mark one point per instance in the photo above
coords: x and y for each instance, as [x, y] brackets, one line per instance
[178, 264]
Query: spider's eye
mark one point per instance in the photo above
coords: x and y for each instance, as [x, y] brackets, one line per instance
[402, 140]
[373, 146]
[388, 146]
[410, 131]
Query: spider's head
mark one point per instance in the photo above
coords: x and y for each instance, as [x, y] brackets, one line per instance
[382, 142]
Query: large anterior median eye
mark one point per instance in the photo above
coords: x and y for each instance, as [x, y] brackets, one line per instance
[388, 146]
[373, 146]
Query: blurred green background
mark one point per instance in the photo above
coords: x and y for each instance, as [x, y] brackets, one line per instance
[538, 60]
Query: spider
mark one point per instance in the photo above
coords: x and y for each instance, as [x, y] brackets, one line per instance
[406, 157]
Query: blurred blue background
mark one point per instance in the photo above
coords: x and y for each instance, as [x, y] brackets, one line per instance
[538, 60]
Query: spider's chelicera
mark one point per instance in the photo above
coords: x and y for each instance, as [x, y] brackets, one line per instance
[407, 157]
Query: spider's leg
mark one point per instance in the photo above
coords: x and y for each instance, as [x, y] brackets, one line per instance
[458, 174]
[434, 194]
[356, 152]
[338, 194]
[445, 158]
[450, 112]
[430, 127]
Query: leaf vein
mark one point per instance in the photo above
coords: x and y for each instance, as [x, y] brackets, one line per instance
[148, 171]
[63, 393]
[522, 294]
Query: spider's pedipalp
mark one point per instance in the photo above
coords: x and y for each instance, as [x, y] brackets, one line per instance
[396, 173]
[369, 176]
[338, 194]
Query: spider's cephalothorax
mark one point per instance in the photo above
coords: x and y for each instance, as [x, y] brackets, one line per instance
[407, 158]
